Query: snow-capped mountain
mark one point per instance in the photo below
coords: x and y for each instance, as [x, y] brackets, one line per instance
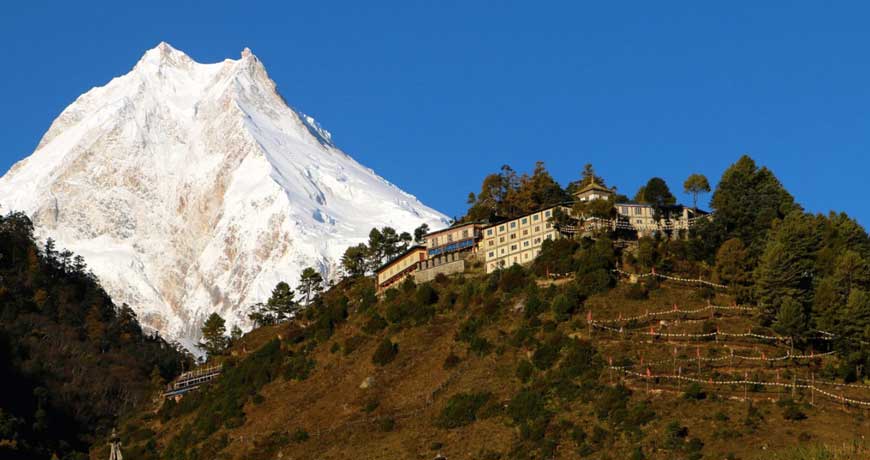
[192, 188]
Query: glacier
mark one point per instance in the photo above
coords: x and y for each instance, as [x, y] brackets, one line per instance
[194, 188]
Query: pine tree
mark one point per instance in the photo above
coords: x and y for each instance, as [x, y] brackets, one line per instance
[695, 185]
[790, 320]
[420, 233]
[786, 266]
[282, 304]
[354, 261]
[214, 340]
[310, 283]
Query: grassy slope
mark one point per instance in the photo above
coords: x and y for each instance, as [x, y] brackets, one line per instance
[411, 391]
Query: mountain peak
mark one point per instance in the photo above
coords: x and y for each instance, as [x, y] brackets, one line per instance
[164, 54]
[191, 188]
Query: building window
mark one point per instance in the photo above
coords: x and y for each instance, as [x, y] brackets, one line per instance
[501, 228]
[526, 243]
[537, 228]
[514, 224]
[492, 253]
[513, 247]
[489, 232]
[525, 232]
[501, 239]
[535, 217]
[525, 220]
[547, 213]
[513, 236]
[548, 225]
[637, 211]
[537, 240]
[502, 250]
[465, 234]
[491, 243]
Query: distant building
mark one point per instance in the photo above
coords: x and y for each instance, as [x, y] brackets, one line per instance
[458, 238]
[640, 217]
[517, 241]
[593, 191]
[401, 267]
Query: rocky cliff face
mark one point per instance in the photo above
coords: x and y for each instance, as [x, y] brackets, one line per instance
[191, 188]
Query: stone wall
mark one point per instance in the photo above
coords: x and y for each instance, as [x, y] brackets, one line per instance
[447, 264]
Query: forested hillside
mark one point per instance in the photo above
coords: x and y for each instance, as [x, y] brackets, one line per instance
[745, 338]
[71, 361]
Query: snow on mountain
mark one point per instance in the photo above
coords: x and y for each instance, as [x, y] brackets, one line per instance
[192, 188]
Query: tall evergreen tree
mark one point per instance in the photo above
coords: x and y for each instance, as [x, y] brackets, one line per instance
[310, 283]
[790, 320]
[747, 200]
[282, 304]
[354, 261]
[695, 185]
[214, 340]
[786, 266]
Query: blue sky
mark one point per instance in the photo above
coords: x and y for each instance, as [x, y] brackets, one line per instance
[435, 95]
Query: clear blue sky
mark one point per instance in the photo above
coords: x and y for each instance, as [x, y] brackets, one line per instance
[435, 95]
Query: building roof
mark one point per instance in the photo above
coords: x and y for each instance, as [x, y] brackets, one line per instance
[457, 225]
[593, 186]
[495, 224]
[399, 257]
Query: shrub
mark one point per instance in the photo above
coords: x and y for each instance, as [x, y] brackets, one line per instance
[594, 282]
[385, 353]
[562, 308]
[426, 295]
[371, 405]
[375, 324]
[451, 361]
[791, 410]
[351, 344]
[479, 346]
[513, 278]
[525, 370]
[461, 409]
[300, 435]
[387, 424]
[528, 405]
[636, 291]
[298, 367]
[547, 353]
[695, 392]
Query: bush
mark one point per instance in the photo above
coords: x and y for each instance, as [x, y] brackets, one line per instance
[791, 410]
[385, 353]
[298, 367]
[426, 295]
[562, 308]
[375, 324]
[451, 361]
[387, 424]
[547, 353]
[594, 282]
[637, 291]
[525, 371]
[300, 435]
[479, 346]
[528, 405]
[352, 343]
[461, 409]
[512, 279]
[694, 392]
[371, 405]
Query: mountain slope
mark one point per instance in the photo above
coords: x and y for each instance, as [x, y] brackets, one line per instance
[191, 188]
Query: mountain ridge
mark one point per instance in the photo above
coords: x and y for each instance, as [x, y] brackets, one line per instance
[192, 188]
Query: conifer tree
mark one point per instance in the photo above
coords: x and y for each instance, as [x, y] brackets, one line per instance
[786, 267]
[695, 185]
[790, 320]
[310, 283]
[282, 304]
[214, 340]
